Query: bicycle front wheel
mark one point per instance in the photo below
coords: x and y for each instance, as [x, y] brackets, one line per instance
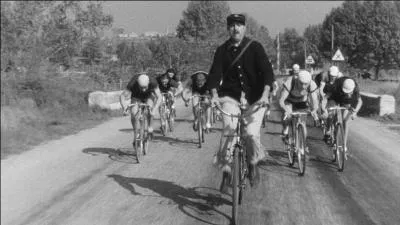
[236, 192]
[340, 146]
[289, 147]
[145, 138]
[301, 147]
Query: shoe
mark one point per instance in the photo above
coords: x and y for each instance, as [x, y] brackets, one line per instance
[326, 138]
[226, 179]
[208, 125]
[195, 126]
[285, 138]
[254, 175]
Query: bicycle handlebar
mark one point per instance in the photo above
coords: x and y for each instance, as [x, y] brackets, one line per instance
[336, 107]
[239, 115]
[136, 103]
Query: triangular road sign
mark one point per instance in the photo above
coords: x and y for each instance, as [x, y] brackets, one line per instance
[310, 60]
[338, 56]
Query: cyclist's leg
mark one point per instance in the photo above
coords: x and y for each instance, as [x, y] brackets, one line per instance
[195, 101]
[134, 121]
[162, 116]
[285, 121]
[229, 124]
[150, 101]
[346, 120]
[251, 134]
[329, 120]
[208, 113]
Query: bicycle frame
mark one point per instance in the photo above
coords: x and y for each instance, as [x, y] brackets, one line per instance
[141, 138]
[200, 118]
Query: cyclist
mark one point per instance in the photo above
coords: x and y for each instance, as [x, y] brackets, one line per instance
[295, 70]
[327, 77]
[142, 90]
[167, 85]
[197, 86]
[346, 93]
[171, 72]
[294, 96]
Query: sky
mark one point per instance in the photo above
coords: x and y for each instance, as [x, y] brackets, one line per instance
[143, 16]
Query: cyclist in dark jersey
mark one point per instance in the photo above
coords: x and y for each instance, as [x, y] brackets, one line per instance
[344, 92]
[172, 74]
[145, 90]
[167, 85]
[197, 86]
[294, 96]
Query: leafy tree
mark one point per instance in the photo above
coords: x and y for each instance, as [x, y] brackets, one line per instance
[367, 32]
[292, 47]
[92, 50]
[312, 36]
[203, 20]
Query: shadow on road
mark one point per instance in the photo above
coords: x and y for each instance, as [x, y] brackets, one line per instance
[127, 130]
[277, 162]
[124, 155]
[196, 199]
[176, 141]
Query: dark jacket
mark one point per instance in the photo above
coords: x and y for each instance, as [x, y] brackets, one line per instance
[250, 73]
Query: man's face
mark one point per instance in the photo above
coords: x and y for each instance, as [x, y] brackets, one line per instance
[236, 31]
[144, 88]
[332, 78]
[302, 86]
[164, 81]
[171, 75]
[200, 81]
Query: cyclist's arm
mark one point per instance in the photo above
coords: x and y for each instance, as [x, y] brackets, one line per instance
[321, 88]
[125, 95]
[159, 98]
[179, 89]
[325, 101]
[284, 95]
[358, 106]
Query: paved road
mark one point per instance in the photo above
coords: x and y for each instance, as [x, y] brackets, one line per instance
[81, 179]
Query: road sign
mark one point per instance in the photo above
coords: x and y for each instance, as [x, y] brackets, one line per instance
[310, 60]
[338, 56]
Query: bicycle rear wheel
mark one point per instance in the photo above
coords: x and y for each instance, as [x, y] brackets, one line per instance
[301, 146]
[236, 185]
[171, 122]
[340, 146]
[139, 150]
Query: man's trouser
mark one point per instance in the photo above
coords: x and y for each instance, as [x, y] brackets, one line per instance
[251, 131]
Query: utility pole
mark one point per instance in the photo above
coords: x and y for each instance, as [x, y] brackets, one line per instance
[332, 39]
[305, 54]
[278, 54]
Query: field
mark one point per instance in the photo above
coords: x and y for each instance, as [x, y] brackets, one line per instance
[389, 88]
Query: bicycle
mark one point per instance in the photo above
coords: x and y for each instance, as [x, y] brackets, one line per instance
[201, 117]
[141, 141]
[337, 136]
[166, 112]
[240, 165]
[296, 142]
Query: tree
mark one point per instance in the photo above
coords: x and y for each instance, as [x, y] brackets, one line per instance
[367, 32]
[203, 20]
[292, 47]
[92, 50]
[312, 36]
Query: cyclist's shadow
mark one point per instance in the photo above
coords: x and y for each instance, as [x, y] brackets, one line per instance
[202, 203]
[124, 155]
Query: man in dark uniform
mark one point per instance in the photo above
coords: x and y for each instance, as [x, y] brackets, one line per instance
[247, 81]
